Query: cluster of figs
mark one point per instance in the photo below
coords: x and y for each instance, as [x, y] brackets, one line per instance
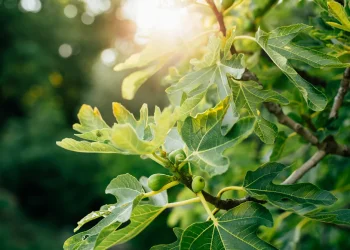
[157, 181]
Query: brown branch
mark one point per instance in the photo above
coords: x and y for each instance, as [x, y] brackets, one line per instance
[218, 15]
[332, 147]
[216, 201]
[228, 203]
[276, 110]
[220, 18]
[300, 172]
[328, 146]
[343, 89]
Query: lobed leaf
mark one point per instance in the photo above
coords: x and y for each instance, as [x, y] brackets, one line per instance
[206, 143]
[154, 51]
[87, 147]
[135, 80]
[212, 70]
[149, 61]
[249, 95]
[128, 192]
[300, 198]
[141, 217]
[236, 229]
[128, 136]
[134, 140]
[90, 119]
[90, 217]
[188, 105]
[277, 44]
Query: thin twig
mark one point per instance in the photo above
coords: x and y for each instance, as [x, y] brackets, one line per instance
[343, 89]
[276, 110]
[220, 18]
[300, 172]
[218, 15]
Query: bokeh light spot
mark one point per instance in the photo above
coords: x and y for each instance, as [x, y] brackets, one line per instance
[156, 18]
[56, 79]
[70, 11]
[97, 7]
[87, 19]
[31, 5]
[108, 57]
[65, 50]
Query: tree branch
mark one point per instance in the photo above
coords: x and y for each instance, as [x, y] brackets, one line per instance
[220, 18]
[327, 146]
[343, 89]
[276, 110]
[332, 147]
[218, 15]
[229, 203]
[216, 201]
[300, 172]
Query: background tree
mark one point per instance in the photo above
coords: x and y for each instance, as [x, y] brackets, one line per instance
[270, 93]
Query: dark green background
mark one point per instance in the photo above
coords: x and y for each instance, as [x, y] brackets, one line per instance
[45, 190]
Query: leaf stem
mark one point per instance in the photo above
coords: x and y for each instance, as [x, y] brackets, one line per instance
[251, 38]
[215, 210]
[165, 187]
[222, 191]
[206, 207]
[298, 228]
[292, 134]
[182, 203]
[158, 159]
[181, 165]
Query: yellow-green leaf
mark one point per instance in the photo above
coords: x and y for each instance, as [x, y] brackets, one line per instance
[90, 119]
[130, 137]
[134, 81]
[338, 11]
[87, 147]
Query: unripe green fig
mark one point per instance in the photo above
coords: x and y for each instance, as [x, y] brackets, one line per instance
[198, 183]
[179, 158]
[225, 4]
[157, 181]
[178, 152]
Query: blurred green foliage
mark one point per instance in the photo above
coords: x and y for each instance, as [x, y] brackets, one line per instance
[41, 194]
